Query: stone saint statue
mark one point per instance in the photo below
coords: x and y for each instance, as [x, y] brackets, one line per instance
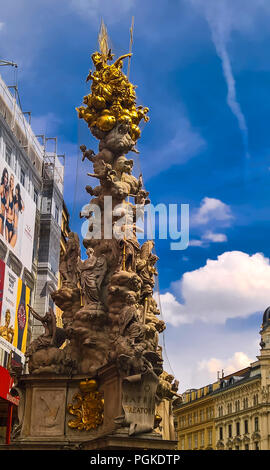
[68, 260]
[91, 274]
[49, 323]
[52, 336]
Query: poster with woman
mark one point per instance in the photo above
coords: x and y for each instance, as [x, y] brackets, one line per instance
[17, 215]
[9, 304]
[2, 279]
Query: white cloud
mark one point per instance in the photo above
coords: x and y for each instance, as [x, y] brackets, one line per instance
[211, 212]
[170, 309]
[238, 361]
[223, 18]
[234, 285]
[2, 25]
[215, 237]
[208, 237]
[211, 209]
[195, 242]
[196, 351]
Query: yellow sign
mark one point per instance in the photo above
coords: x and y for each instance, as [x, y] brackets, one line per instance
[21, 318]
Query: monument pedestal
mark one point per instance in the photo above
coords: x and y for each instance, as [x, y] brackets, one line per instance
[61, 412]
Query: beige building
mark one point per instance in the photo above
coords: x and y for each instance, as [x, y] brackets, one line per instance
[234, 412]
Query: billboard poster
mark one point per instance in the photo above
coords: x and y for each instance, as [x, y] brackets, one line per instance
[14, 317]
[2, 279]
[17, 216]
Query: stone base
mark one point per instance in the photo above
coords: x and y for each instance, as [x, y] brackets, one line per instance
[46, 422]
[117, 441]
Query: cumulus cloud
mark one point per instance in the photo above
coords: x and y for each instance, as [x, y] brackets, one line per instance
[172, 310]
[238, 361]
[211, 209]
[197, 351]
[234, 285]
[215, 237]
[211, 213]
[209, 237]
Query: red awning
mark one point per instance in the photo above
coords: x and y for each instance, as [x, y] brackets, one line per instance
[6, 383]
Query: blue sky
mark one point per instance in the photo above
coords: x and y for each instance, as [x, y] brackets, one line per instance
[202, 67]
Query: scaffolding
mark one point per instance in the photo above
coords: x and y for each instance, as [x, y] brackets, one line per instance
[53, 164]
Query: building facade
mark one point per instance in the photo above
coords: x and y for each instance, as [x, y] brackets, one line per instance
[195, 420]
[233, 413]
[65, 230]
[31, 191]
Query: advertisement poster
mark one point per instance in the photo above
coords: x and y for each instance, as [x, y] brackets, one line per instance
[14, 316]
[2, 279]
[17, 216]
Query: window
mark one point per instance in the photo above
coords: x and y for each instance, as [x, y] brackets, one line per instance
[189, 442]
[238, 428]
[237, 405]
[49, 206]
[257, 446]
[220, 411]
[221, 433]
[201, 416]
[230, 430]
[35, 196]
[229, 408]
[246, 447]
[202, 438]
[246, 426]
[183, 443]
[210, 436]
[8, 155]
[255, 400]
[256, 424]
[22, 177]
[245, 403]
[190, 418]
[236, 447]
[196, 440]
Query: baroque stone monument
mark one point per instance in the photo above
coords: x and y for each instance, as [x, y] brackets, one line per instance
[98, 382]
